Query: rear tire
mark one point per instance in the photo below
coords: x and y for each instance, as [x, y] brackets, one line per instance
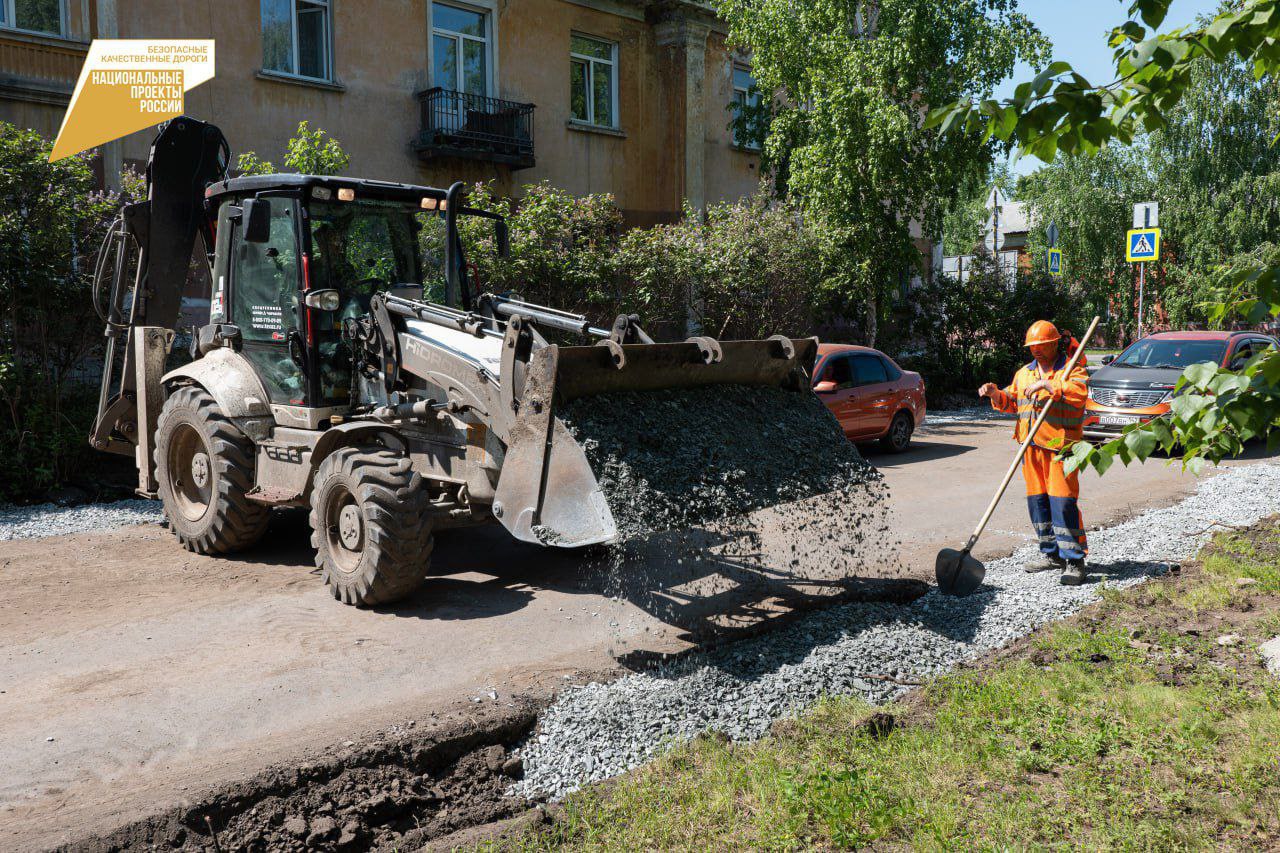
[370, 525]
[898, 438]
[204, 467]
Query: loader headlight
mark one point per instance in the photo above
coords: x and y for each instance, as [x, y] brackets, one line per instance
[323, 300]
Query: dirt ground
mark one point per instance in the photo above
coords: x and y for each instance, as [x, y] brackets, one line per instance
[136, 677]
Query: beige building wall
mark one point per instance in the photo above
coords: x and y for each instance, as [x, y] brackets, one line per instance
[380, 60]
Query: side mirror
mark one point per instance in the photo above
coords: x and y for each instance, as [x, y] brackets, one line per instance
[256, 220]
[826, 386]
[503, 237]
[323, 300]
[1108, 358]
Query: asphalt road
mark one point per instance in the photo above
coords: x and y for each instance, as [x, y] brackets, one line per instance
[134, 673]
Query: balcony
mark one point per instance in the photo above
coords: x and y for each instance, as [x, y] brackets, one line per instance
[474, 127]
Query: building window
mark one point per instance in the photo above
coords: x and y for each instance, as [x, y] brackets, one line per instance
[296, 38]
[593, 81]
[33, 16]
[460, 49]
[746, 109]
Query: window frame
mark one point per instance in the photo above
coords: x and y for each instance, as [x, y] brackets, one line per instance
[488, 13]
[590, 62]
[735, 67]
[330, 76]
[9, 21]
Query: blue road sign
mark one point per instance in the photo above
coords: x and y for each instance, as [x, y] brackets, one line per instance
[1055, 262]
[1143, 244]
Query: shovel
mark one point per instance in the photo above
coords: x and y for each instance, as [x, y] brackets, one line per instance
[959, 572]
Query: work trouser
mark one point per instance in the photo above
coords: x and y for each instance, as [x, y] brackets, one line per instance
[1052, 499]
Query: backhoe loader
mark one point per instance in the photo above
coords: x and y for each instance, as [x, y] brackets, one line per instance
[324, 378]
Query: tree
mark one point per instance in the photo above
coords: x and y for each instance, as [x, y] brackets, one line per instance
[309, 152]
[852, 82]
[1214, 411]
[1091, 199]
[965, 222]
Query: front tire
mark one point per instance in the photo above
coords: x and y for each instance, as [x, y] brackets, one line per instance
[898, 438]
[204, 467]
[370, 525]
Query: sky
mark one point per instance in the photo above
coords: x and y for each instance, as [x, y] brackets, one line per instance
[1078, 30]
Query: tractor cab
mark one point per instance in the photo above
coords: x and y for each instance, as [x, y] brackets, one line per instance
[297, 255]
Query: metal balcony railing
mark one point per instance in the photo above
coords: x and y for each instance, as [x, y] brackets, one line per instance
[459, 124]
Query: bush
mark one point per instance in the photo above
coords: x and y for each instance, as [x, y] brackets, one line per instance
[52, 220]
[748, 269]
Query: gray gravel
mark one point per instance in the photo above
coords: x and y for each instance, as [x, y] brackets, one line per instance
[35, 522]
[597, 731]
[965, 415]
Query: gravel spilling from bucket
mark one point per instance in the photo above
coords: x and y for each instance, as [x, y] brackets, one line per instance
[876, 651]
[35, 522]
[730, 494]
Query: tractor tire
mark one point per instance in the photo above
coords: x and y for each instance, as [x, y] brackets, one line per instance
[204, 467]
[370, 525]
[898, 438]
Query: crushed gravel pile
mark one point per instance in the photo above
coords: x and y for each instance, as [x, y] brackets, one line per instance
[679, 458]
[730, 493]
[35, 522]
[875, 651]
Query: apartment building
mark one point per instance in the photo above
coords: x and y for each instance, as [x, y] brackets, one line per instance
[631, 97]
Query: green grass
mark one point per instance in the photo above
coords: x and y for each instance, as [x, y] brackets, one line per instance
[1088, 738]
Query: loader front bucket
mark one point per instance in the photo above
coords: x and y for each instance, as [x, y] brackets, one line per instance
[547, 492]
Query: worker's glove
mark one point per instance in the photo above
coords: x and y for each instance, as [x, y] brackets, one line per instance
[1038, 386]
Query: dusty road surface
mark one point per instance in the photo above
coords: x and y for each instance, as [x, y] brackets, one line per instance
[134, 674]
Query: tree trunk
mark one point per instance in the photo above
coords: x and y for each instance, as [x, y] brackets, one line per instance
[873, 319]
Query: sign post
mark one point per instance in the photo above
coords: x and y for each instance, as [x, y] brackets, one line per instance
[1142, 245]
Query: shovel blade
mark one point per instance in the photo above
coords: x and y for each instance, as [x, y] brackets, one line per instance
[958, 572]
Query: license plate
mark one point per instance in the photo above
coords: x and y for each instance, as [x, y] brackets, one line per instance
[1117, 420]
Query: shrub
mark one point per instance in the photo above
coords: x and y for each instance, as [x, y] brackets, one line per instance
[747, 269]
[52, 220]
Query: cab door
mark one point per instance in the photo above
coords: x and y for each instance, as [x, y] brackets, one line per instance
[265, 281]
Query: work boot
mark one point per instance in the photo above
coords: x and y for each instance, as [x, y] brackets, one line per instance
[1044, 563]
[1073, 574]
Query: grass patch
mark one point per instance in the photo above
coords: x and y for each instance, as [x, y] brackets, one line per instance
[1122, 728]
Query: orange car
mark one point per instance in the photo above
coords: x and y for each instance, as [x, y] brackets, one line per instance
[1137, 385]
[870, 396]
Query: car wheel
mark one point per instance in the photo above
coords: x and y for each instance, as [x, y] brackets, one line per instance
[898, 438]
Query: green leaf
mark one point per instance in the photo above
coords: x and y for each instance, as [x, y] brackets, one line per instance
[1201, 374]
[1141, 441]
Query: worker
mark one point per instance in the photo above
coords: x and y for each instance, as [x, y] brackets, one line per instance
[1052, 494]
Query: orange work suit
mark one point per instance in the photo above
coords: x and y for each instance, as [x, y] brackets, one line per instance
[1052, 494]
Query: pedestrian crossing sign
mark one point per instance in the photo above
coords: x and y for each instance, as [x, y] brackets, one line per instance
[1055, 262]
[1143, 245]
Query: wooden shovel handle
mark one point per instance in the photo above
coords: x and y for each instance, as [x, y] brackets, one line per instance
[1031, 434]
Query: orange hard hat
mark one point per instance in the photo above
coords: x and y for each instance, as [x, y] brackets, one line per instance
[1042, 332]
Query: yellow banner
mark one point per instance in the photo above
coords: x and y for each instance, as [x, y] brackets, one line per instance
[127, 85]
